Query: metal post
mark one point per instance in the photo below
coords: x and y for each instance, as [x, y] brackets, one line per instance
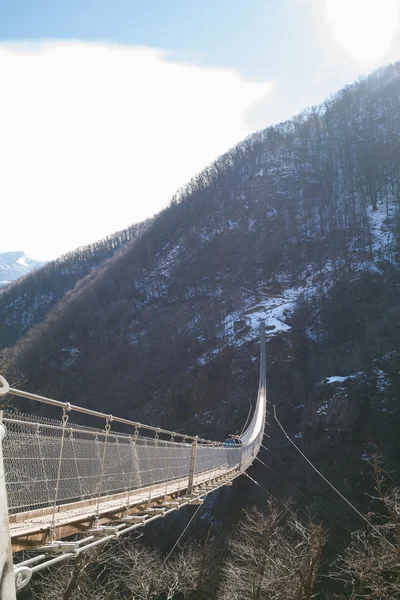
[103, 460]
[57, 488]
[192, 466]
[240, 458]
[136, 463]
[7, 582]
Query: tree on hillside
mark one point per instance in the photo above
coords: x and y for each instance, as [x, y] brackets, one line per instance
[124, 569]
[80, 579]
[272, 556]
[370, 566]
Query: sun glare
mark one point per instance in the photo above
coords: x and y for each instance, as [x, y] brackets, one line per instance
[364, 29]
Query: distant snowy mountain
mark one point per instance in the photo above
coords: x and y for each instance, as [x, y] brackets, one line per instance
[16, 264]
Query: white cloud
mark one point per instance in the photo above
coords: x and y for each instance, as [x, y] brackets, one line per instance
[94, 137]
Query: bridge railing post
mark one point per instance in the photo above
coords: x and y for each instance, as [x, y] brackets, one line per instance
[192, 467]
[7, 581]
[240, 458]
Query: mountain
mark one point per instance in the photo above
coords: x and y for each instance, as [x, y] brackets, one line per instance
[27, 301]
[14, 265]
[297, 225]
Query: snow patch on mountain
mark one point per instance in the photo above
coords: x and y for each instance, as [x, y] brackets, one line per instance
[382, 229]
[340, 379]
[243, 325]
[16, 264]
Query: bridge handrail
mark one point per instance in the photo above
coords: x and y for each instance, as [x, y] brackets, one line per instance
[247, 437]
[13, 418]
[107, 417]
[257, 423]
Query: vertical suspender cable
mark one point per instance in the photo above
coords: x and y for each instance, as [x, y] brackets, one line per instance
[56, 489]
[107, 429]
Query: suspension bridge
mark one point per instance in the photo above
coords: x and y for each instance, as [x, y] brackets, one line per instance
[59, 478]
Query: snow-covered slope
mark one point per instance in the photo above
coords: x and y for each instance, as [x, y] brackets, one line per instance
[16, 264]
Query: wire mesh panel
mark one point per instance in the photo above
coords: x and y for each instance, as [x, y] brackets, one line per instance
[53, 463]
[216, 457]
[26, 467]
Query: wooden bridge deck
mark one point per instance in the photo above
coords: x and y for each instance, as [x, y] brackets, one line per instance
[32, 528]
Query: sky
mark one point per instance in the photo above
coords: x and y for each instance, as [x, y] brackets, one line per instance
[107, 107]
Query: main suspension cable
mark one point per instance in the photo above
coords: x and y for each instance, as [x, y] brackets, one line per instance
[332, 486]
[304, 495]
[183, 533]
[300, 474]
[294, 455]
[279, 500]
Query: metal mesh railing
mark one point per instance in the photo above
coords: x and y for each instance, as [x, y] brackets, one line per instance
[53, 464]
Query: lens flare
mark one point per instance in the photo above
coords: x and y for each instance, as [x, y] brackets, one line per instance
[364, 29]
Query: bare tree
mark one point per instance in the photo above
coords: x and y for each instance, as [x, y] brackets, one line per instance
[124, 569]
[181, 574]
[79, 579]
[138, 570]
[370, 566]
[272, 556]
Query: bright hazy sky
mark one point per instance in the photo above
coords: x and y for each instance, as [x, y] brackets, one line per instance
[108, 106]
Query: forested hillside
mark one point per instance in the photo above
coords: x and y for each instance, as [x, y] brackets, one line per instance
[297, 225]
[26, 301]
